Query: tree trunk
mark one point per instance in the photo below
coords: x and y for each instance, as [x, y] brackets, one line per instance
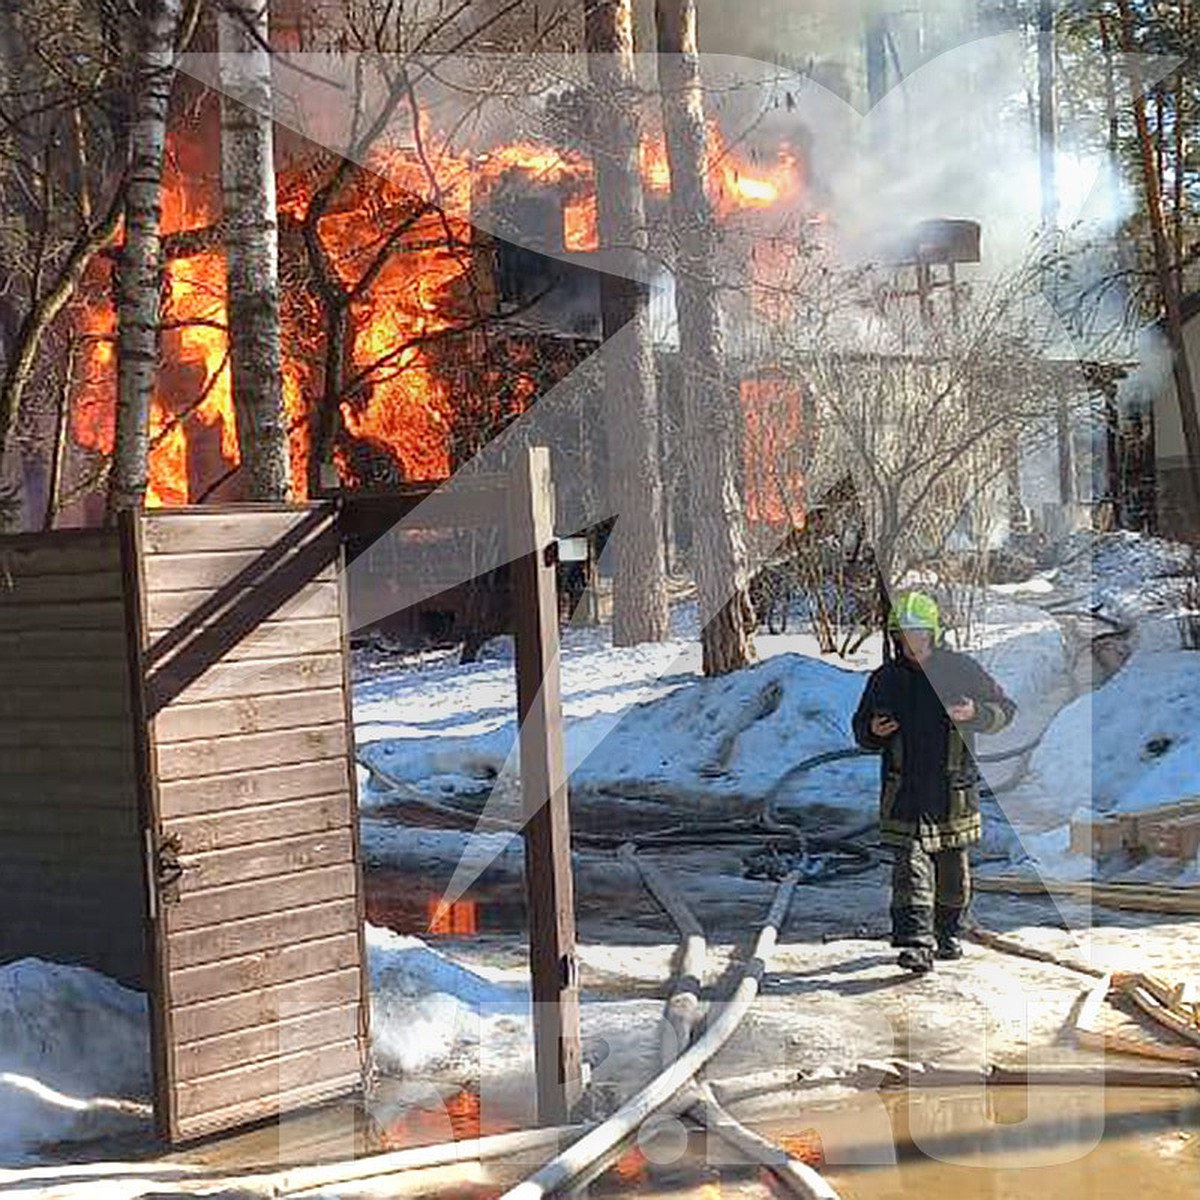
[710, 425]
[326, 421]
[1167, 275]
[139, 274]
[1048, 160]
[634, 469]
[252, 249]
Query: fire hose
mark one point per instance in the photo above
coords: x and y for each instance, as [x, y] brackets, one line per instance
[602, 1142]
[680, 1018]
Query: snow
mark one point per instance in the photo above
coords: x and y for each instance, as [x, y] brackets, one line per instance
[1130, 745]
[643, 723]
[430, 1014]
[75, 1050]
[74, 1056]
[1123, 576]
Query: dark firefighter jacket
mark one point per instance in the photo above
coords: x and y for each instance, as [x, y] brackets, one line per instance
[930, 783]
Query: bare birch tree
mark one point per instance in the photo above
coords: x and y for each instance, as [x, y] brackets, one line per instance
[635, 484]
[159, 27]
[718, 522]
[61, 199]
[919, 413]
[252, 248]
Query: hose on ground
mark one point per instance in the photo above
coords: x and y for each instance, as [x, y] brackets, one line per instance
[681, 1016]
[607, 1137]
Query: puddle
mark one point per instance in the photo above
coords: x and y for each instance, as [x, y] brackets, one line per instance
[944, 1144]
[1009, 1141]
[1073, 1144]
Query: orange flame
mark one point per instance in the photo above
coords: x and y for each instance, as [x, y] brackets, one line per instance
[806, 1146]
[773, 409]
[459, 917]
[398, 397]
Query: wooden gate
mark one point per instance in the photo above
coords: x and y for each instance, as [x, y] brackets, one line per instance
[258, 984]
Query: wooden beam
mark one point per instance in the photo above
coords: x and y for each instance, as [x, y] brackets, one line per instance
[547, 828]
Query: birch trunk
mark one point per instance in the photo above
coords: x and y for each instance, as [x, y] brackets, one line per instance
[139, 269]
[631, 419]
[252, 249]
[711, 437]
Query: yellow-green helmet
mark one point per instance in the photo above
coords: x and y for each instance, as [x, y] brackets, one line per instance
[915, 610]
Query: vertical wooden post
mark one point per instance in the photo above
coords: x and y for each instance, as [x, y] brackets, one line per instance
[547, 827]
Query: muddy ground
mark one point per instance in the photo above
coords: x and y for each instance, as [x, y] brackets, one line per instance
[834, 995]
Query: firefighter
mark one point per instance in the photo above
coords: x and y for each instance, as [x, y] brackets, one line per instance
[921, 711]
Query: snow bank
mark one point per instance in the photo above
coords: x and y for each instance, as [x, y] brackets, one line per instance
[1125, 576]
[643, 723]
[1129, 745]
[74, 1056]
[1132, 744]
[431, 1014]
[75, 1048]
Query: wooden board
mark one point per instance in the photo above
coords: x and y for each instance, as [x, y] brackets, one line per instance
[221, 793]
[192, 532]
[166, 610]
[70, 839]
[265, 1007]
[250, 752]
[260, 988]
[181, 722]
[547, 829]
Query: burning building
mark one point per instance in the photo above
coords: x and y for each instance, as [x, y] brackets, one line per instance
[413, 332]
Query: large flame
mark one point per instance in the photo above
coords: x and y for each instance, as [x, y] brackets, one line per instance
[398, 396]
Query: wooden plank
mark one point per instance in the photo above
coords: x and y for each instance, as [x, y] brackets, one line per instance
[52, 645]
[66, 792]
[232, 938]
[221, 568]
[199, 532]
[271, 1104]
[53, 537]
[92, 900]
[258, 677]
[223, 831]
[29, 555]
[104, 763]
[265, 1007]
[63, 704]
[63, 854]
[351, 761]
[62, 589]
[460, 503]
[547, 831]
[308, 1032]
[252, 714]
[168, 609]
[268, 1079]
[219, 868]
[285, 639]
[108, 675]
[146, 790]
[206, 909]
[55, 618]
[247, 752]
[31, 729]
[269, 968]
[68, 826]
[45, 887]
[56, 919]
[224, 793]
